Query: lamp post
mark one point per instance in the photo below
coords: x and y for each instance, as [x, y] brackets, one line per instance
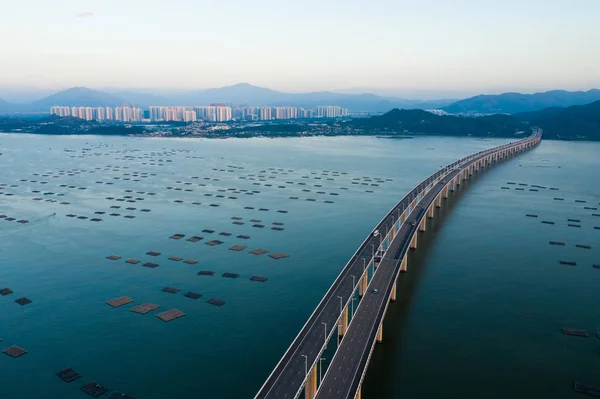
[305, 365]
[321, 369]
[352, 294]
[341, 314]
[325, 337]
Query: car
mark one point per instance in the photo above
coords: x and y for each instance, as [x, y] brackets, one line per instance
[376, 233]
[375, 291]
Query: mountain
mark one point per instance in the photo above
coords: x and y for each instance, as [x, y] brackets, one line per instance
[142, 99]
[579, 122]
[76, 97]
[510, 103]
[245, 93]
[422, 122]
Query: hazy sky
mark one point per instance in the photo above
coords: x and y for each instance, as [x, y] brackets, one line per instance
[429, 46]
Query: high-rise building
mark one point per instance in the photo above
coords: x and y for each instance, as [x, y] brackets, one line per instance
[264, 114]
[109, 113]
[190, 116]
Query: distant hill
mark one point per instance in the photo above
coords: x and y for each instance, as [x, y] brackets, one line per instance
[77, 97]
[239, 94]
[245, 93]
[142, 99]
[579, 122]
[422, 122]
[511, 103]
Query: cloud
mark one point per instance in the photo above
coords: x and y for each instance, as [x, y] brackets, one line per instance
[87, 14]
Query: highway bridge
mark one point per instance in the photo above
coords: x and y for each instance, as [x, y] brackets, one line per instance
[373, 271]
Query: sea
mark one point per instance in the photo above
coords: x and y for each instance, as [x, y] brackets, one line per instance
[192, 225]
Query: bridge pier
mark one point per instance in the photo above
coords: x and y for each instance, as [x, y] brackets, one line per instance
[380, 333]
[363, 283]
[359, 393]
[310, 389]
[343, 326]
[404, 264]
[393, 295]
[446, 189]
[423, 224]
[413, 241]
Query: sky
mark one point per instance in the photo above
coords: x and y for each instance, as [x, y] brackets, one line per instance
[420, 48]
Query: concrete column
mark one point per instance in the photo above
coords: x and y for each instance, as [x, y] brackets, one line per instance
[310, 389]
[413, 241]
[359, 393]
[380, 333]
[446, 189]
[362, 284]
[404, 264]
[343, 326]
[423, 224]
[393, 296]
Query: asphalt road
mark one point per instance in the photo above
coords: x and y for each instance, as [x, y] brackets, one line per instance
[343, 376]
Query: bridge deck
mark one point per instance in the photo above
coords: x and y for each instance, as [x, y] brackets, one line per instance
[288, 377]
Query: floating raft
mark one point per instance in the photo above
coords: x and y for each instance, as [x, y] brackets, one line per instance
[214, 242]
[171, 290]
[145, 308]
[258, 278]
[113, 257]
[580, 201]
[243, 237]
[132, 261]
[583, 246]
[120, 301]
[177, 236]
[574, 331]
[23, 301]
[574, 225]
[94, 389]
[259, 251]
[238, 248]
[193, 295]
[557, 243]
[279, 255]
[170, 315]
[175, 258]
[547, 222]
[586, 389]
[216, 302]
[150, 265]
[68, 375]
[195, 239]
[153, 253]
[529, 215]
[230, 275]
[6, 291]
[190, 261]
[14, 351]
[568, 262]
[574, 220]
[206, 273]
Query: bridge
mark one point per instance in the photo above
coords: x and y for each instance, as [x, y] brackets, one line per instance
[372, 273]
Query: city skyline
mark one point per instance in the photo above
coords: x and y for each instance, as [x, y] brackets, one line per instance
[211, 113]
[433, 49]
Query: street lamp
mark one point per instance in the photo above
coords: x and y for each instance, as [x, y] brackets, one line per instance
[352, 302]
[305, 365]
[341, 314]
[325, 324]
[321, 369]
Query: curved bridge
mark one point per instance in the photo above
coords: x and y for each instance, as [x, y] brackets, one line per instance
[372, 271]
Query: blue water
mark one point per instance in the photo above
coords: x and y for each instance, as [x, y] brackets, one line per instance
[226, 352]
